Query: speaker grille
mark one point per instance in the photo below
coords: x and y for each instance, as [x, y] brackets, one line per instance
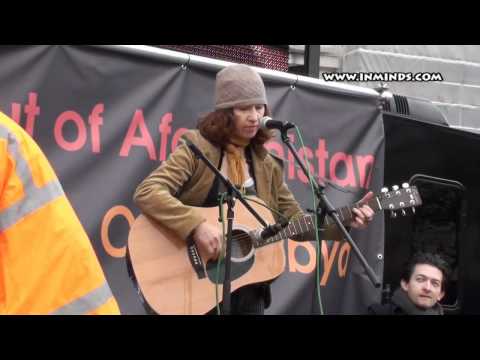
[386, 105]
[401, 105]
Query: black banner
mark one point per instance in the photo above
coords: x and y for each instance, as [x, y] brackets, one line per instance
[106, 118]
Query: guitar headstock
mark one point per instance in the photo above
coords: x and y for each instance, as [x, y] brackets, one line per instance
[407, 197]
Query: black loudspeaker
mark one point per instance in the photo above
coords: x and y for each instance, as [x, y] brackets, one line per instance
[438, 227]
[414, 108]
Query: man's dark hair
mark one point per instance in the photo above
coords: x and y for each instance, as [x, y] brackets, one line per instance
[427, 259]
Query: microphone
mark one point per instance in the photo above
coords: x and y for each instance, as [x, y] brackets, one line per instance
[267, 122]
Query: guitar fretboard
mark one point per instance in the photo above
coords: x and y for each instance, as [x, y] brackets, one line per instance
[307, 223]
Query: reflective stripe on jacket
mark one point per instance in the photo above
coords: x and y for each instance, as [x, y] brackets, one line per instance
[47, 262]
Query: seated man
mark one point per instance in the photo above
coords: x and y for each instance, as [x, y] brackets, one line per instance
[421, 288]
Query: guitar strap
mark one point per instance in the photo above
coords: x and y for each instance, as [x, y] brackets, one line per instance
[212, 197]
[217, 187]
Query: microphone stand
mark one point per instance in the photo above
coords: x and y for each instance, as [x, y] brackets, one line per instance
[232, 193]
[325, 207]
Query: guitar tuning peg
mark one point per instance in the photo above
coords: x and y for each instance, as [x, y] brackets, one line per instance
[413, 210]
[385, 193]
[395, 187]
[393, 214]
[404, 213]
[405, 185]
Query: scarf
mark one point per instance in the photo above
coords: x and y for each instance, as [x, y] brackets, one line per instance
[236, 160]
[401, 299]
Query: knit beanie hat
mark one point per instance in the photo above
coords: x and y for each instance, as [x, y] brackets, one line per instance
[238, 85]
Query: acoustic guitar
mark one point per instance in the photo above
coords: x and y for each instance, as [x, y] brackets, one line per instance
[174, 278]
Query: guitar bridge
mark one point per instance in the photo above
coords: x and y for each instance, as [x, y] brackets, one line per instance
[196, 260]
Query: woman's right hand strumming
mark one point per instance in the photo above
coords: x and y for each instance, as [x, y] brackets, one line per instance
[208, 240]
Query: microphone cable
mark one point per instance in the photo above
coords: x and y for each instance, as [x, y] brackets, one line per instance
[317, 242]
[222, 247]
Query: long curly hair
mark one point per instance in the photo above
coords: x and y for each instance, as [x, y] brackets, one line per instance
[218, 127]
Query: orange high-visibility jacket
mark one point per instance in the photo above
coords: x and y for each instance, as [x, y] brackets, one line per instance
[47, 263]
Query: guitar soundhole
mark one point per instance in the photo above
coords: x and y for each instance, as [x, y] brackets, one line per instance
[242, 247]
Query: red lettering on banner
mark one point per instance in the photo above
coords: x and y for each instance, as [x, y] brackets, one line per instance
[176, 137]
[309, 155]
[82, 131]
[31, 110]
[328, 260]
[363, 162]
[164, 129]
[294, 266]
[107, 219]
[343, 259]
[347, 170]
[16, 110]
[347, 159]
[322, 156]
[95, 121]
[144, 140]
[291, 160]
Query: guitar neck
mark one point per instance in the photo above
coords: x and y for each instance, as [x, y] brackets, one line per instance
[346, 214]
[307, 222]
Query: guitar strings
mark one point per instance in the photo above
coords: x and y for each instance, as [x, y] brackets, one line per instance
[246, 237]
[243, 237]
